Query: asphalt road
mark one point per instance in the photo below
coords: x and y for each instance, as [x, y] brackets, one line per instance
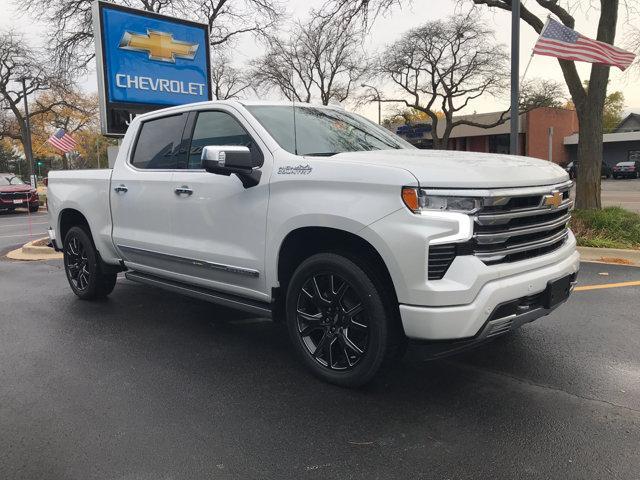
[624, 193]
[20, 227]
[151, 385]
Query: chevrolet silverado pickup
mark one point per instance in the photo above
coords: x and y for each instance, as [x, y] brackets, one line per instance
[319, 218]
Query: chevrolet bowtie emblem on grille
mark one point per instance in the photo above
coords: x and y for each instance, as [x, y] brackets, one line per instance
[553, 200]
[160, 46]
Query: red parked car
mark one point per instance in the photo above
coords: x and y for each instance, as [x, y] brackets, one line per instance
[14, 193]
[627, 170]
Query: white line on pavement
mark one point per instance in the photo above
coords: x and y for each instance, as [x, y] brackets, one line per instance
[23, 235]
[23, 224]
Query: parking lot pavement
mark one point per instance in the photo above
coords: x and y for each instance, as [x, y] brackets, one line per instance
[20, 227]
[151, 385]
[624, 193]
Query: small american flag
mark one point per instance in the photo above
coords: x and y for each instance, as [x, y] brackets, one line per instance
[62, 141]
[559, 41]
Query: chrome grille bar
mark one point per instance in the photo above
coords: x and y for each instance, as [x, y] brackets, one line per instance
[497, 255]
[502, 218]
[503, 236]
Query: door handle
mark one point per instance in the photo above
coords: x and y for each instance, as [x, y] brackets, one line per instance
[120, 189]
[183, 190]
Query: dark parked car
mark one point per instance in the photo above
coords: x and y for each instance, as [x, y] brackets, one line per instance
[572, 168]
[14, 193]
[627, 170]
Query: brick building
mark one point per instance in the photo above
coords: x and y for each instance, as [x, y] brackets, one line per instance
[541, 134]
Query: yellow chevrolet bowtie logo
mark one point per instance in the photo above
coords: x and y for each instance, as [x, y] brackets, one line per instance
[160, 46]
[553, 200]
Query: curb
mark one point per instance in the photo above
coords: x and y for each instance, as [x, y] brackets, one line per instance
[615, 256]
[29, 251]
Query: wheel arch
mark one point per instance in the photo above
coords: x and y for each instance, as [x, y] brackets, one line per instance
[303, 242]
[70, 217]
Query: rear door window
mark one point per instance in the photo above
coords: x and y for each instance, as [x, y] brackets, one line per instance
[159, 142]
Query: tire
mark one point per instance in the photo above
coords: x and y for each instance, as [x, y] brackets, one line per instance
[83, 266]
[337, 320]
[34, 209]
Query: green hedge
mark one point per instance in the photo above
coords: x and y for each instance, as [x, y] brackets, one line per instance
[611, 227]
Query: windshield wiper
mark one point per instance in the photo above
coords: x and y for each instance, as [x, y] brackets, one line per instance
[320, 154]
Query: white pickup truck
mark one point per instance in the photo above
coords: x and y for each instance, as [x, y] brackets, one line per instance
[321, 219]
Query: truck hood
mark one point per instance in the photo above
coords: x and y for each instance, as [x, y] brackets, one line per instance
[15, 188]
[456, 169]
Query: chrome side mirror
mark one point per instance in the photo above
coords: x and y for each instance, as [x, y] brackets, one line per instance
[225, 160]
[231, 156]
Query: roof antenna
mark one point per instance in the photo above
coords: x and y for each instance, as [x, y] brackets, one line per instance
[295, 132]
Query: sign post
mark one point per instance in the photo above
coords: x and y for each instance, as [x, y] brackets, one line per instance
[146, 61]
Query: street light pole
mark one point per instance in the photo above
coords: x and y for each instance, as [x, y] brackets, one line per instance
[364, 85]
[515, 73]
[28, 153]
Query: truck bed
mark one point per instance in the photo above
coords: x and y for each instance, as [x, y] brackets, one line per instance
[87, 192]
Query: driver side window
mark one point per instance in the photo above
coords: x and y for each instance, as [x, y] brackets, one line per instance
[215, 128]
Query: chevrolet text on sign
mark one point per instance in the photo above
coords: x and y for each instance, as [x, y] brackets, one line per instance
[147, 61]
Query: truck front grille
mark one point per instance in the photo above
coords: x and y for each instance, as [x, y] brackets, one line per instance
[512, 225]
[14, 195]
[516, 227]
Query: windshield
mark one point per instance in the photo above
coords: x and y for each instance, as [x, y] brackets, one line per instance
[10, 180]
[323, 131]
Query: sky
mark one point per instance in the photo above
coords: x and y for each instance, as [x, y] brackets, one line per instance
[390, 27]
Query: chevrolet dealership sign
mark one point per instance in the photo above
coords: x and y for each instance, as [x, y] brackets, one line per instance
[147, 61]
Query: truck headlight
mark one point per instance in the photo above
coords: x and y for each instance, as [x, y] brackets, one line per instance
[417, 200]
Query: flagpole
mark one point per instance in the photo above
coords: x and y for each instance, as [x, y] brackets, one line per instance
[526, 69]
[515, 74]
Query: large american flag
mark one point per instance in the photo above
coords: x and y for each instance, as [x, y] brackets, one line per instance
[559, 41]
[62, 141]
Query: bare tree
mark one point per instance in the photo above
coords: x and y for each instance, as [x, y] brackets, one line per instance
[442, 66]
[19, 61]
[539, 92]
[227, 81]
[319, 59]
[72, 33]
[286, 68]
[589, 102]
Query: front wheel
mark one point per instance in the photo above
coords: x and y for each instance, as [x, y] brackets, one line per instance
[336, 320]
[83, 268]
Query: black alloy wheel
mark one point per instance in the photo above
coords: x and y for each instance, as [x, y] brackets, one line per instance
[337, 320]
[332, 321]
[77, 264]
[83, 267]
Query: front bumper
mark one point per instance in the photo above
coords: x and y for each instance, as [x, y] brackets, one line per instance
[10, 204]
[468, 321]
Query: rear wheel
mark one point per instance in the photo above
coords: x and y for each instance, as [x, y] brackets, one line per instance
[336, 319]
[83, 267]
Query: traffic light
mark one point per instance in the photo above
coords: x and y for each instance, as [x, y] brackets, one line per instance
[40, 163]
